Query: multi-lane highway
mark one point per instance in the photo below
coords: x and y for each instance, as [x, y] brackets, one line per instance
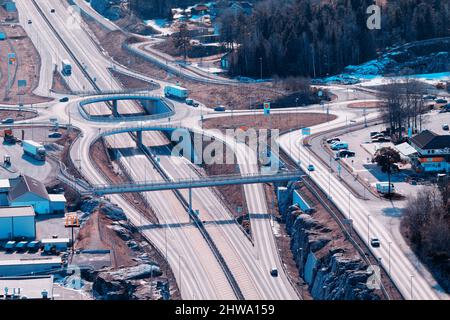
[198, 271]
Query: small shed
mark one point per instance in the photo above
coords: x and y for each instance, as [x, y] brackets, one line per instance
[57, 203]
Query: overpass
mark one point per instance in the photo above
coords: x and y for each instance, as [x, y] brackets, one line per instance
[161, 106]
[204, 182]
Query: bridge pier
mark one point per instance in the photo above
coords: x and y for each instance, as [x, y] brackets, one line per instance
[139, 139]
[115, 113]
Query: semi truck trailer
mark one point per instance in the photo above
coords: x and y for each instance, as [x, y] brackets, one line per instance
[34, 149]
[176, 92]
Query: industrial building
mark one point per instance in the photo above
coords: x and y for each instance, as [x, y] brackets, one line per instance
[20, 267]
[32, 287]
[17, 222]
[26, 191]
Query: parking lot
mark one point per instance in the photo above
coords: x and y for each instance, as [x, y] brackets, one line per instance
[361, 164]
[20, 163]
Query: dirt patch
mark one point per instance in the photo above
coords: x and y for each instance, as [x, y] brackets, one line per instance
[96, 235]
[59, 85]
[17, 115]
[26, 67]
[131, 82]
[281, 121]
[361, 105]
[103, 161]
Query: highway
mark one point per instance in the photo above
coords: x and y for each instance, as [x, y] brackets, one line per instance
[197, 271]
[409, 280]
[203, 268]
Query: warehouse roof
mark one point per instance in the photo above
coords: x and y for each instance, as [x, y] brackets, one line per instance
[27, 184]
[4, 184]
[30, 287]
[8, 212]
[57, 198]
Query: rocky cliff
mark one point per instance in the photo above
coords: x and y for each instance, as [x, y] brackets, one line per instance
[325, 260]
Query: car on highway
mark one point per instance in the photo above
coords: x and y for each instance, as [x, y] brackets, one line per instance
[30, 22]
[8, 120]
[311, 167]
[274, 272]
[189, 102]
[55, 135]
[375, 242]
[219, 108]
[345, 154]
[65, 99]
[52, 10]
[339, 145]
[445, 127]
[333, 140]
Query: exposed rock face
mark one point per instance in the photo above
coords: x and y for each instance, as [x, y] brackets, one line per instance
[330, 271]
[125, 283]
[111, 210]
[108, 8]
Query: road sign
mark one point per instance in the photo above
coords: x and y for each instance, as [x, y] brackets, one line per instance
[320, 93]
[21, 83]
[266, 108]
[306, 131]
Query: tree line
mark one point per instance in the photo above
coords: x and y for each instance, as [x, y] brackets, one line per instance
[315, 38]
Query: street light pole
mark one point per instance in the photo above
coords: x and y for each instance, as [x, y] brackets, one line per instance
[261, 68]
[412, 287]
[389, 253]
[368, 229]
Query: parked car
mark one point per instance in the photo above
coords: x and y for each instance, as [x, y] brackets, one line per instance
[429, 97]
[381, 139]
[333, 140]
[274, 272]
[339, 145]
[52, 10]
[345, 153]
[375, 242]
[10, 246]
[64, 99]
[445, 127]
[373, 133]
[8, 120]
[55, 135]
[22, 246]
[440, 101]
[189, 102]
[311, 167]
[33, 246]
[219, 108]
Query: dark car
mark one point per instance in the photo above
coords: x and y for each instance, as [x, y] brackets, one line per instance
[52, 10]
[274, 272]
[345, 153]
[65, 99]
[333, 140]
[440, 101]
[219, 108]
[8, 120]
[375, 242]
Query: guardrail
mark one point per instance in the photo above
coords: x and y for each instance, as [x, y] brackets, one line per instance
[191, 183]
[133, 96]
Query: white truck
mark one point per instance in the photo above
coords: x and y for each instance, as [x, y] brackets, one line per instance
[176, 92]
[66, 68]
[34, 149]
[383, 187]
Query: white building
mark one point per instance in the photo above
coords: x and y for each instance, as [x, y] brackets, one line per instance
[22, 267]
[17, 222]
